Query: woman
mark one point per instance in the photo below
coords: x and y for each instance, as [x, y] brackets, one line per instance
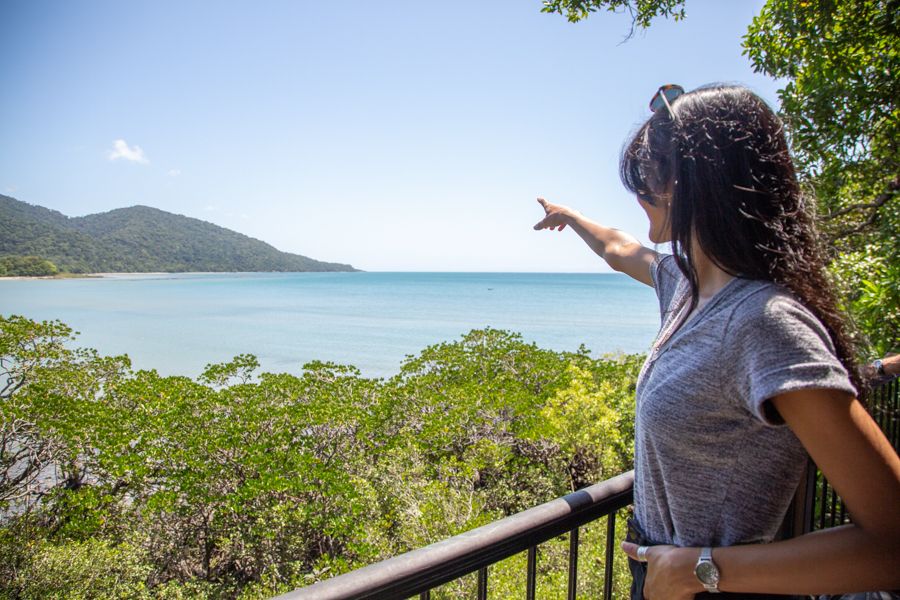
[752, 368]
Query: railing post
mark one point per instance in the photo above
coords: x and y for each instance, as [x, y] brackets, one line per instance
[531, 576]
[482, 583]
[610, 555]
[573, 563]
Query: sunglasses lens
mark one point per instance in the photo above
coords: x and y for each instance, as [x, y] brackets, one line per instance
[670, 91]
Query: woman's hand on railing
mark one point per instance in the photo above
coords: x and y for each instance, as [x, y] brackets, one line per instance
[670, 571]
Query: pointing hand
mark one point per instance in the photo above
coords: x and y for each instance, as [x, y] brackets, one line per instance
[556, 216]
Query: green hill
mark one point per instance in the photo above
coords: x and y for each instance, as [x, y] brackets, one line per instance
[138, 239]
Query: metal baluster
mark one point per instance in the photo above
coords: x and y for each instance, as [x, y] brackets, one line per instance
[426, 595]
[573, 563]
[531, 575]
[834, 503]
[823, 504]
[892, 406]
[610, 555]
[892, 420]
[482, 583]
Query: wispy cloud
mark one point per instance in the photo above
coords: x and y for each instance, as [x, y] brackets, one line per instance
[174, 172]
[210, 208]
[122, 150]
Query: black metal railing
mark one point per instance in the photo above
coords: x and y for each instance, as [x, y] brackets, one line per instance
[816, 506]
[419, 571]
[883, 403]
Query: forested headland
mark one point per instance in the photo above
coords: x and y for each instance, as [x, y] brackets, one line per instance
[37, 241]
[117, 483]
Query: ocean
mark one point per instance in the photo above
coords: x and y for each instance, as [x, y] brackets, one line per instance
[178, 323]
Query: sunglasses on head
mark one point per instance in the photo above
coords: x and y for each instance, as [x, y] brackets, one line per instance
[664, 96]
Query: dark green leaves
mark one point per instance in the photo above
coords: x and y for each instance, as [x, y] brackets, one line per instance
[236, 483]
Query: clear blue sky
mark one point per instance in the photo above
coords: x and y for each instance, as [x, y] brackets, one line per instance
[408, 136]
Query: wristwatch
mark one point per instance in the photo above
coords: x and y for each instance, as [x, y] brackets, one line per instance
[707, 571]
[879, 367]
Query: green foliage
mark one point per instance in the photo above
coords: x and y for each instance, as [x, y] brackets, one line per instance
[26, 266]
[841, 61]
[80, 570]
[642, 11]
[138, 239]
[240, 369]
[591, 419]
[872, 273]
[247, 485]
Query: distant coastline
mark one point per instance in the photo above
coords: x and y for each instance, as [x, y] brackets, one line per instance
[57, 276]
[139, 274]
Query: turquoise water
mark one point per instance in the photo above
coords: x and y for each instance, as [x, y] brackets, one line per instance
[179, 323]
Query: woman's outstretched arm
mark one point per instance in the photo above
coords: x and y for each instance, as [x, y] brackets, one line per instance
[621, 251]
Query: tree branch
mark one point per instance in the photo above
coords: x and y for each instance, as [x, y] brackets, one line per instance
[879, 201]
[874, 206]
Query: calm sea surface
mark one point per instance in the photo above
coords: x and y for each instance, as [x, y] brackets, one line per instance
[179, 323]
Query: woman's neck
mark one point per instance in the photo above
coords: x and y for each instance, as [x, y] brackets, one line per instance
[710, 278]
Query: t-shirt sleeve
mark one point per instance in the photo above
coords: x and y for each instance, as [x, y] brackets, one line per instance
[665, 275]
[774, 345]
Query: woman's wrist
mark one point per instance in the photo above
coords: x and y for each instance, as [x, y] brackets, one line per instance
[680, 562]
[571, 215]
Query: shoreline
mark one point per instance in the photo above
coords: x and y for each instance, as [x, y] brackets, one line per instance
[78, 276]
[36, 277]
[136, 274]
[124, 274]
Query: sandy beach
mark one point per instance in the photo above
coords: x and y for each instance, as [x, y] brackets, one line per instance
[82, 276]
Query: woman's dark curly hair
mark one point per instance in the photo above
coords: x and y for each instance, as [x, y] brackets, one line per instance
[723, 154]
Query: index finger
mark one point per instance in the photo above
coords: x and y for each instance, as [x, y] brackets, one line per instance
[542, 202]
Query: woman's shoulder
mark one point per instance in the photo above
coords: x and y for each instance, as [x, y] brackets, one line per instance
[774, 344]
[664, 268]
[666, 277]
[768, 311]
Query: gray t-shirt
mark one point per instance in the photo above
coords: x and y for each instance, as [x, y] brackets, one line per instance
[713, 467]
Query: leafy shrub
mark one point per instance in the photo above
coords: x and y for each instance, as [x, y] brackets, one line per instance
[245, 484]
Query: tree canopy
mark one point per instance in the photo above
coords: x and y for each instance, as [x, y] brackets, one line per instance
[123, 484]
[842, 65]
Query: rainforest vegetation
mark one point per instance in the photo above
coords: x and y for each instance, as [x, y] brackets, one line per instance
[116, 483]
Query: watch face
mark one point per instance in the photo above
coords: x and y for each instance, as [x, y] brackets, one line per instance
[707, 573]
